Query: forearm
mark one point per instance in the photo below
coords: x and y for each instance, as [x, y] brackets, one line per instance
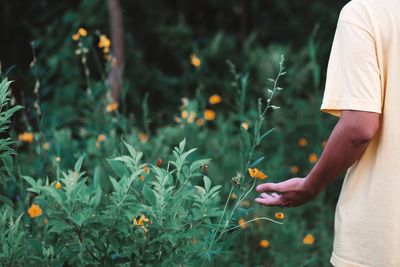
[345, 146]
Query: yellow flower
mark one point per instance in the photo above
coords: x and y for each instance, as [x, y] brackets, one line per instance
[26, 137]
[244, 125]
[214, 99]
[264, 243]
[184, 114]
[279, 215]
[196, 62]
[82, 32]
[302, 142]
[242, 223]
[313, 158]
[308, 239]
[233, 196]
[58, 185]
[111, 107]
[200, 122]
[34, 211]
[140, 220]
[104, 41]
[58, 159]
[76, 37]
[294, 169]
[209, 114]
[143, 137]
[46, 146]
[101, 138]
[256, 173]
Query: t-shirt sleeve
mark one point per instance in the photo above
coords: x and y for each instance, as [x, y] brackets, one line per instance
[353, 75]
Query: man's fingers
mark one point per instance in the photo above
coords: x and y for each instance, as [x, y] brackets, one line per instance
[269, 200]
[265, 195]
[269, 187]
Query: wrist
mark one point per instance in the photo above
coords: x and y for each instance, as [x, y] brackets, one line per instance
[312, 186]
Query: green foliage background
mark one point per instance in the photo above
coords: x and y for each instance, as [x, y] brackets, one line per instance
[159, 38]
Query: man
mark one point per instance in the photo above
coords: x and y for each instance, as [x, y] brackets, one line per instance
[363, 89]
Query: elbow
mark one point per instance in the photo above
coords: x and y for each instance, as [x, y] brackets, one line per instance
[363, 134]
[361, 127]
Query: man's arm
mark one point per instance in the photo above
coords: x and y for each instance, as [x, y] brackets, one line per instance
[347, 143]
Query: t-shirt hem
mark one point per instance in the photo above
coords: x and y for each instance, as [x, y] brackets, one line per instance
[339, 262]
[335, 106]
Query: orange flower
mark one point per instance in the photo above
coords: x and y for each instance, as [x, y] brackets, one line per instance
[308, 239]
[294, 169]
[141, 178]
[184, 114]
[233, 196]
[111, 107]
[58, 185]
[194, 241]
[35, 211]
[101, 138]
[242, 223]
[104, 41]
[244, 125]
[82, 32]
[196, 62]
[313, 158]
[302, 142]
[143, 137]
[209, 114]
[264, 243]
[45, 221]
[279, 215]
[256, 173]
[140, 220]
[76, 37]
[214, 99]
[192, 116]
[200, 122]
[26, 137]
[146, 170]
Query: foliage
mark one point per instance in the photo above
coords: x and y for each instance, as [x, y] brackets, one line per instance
[175, 62]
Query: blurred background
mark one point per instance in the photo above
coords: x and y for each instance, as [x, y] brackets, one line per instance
[91, 72]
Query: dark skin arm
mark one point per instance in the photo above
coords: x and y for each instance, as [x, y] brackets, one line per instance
[347, 143]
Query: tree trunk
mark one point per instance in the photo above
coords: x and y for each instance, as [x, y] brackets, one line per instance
[245, 20]
[117, 42]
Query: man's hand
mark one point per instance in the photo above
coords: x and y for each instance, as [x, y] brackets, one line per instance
[290, 193]
[347, 143]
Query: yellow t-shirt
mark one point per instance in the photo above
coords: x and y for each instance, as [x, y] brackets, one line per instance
[364, 74]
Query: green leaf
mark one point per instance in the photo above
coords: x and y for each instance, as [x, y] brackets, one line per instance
[29, 180]
[149, 195]
[182, 145]
[207, 183]
[118, 167]
[131, 149]
[256, 162]
[78, 164]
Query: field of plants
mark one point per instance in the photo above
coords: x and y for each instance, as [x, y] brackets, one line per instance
[134, 133]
